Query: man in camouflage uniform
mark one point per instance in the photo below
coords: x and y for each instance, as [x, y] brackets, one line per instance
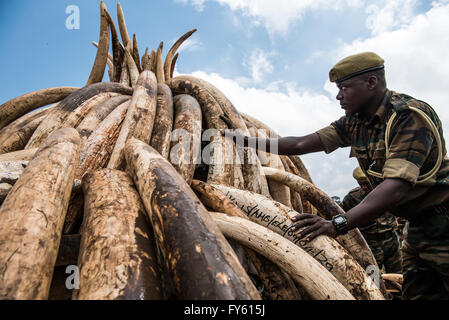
[410, 179]
[380, 234]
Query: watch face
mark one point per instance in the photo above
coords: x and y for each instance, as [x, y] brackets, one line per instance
[339, 220]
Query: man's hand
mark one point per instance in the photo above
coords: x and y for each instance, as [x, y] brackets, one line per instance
[314, 226]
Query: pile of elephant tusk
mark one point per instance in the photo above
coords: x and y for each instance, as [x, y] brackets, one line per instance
[131, 183]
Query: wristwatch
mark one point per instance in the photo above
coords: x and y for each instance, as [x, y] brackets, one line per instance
[340, 223]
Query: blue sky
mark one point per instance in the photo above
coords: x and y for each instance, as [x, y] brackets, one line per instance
[271, 58]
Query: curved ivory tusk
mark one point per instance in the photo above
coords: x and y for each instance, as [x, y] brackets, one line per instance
[139, 119]
[319, 283]
[197, 254]
[132, 67]
[163, 127]
[96, 75]
[172, 51]
[173, 64]
[26, 154]
[135, 53]
[19, 106]
[32, 216]
[117, 49]
[122, 25]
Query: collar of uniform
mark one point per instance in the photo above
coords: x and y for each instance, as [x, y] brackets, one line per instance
[381, 112]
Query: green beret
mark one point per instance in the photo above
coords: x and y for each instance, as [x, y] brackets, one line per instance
[359, 175]
[355, 65]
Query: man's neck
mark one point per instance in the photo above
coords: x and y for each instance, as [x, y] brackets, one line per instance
[374, 103]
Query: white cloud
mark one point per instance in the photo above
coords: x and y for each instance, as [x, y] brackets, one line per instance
[259, 65]
[389, 15]
[277, 16]
[198, 4]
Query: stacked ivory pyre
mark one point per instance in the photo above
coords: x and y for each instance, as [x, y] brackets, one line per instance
[105, 179]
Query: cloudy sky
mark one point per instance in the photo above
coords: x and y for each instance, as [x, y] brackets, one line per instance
[270, 57]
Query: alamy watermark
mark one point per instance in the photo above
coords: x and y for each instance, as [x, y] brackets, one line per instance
[73, 20]
[73, 280]
[374, 273]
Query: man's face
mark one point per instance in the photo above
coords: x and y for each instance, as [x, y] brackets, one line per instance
[353, 94]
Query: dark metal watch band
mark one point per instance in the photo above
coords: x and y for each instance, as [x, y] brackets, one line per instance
[342, 228]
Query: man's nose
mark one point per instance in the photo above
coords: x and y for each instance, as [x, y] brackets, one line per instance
[339, 95]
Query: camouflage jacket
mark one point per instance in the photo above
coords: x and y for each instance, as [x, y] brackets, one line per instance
[413, 150]
[386, 222]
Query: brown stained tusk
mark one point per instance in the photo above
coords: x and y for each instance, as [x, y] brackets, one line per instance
[152, 61]
[145, 60]
[172, 51]
[135, 53]
[215, 199]
[98, 114]
[117, 49]
[19, 106]
[139, 120]
[163, 127]
[94, 154]
[32, 216]
[185, 149]
[96, 75]
[16, 134]
[117, 258]
[200, 260]
[64, 108]
[96, 150]
[124, 75]
[159, 67]
[19, 138]
[12, 166]
[26, 154]
[122, 25]
[77, 115]
[173, 65]
[132, 68]
[110, 59]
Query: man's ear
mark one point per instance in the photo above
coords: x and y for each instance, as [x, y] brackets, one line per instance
[373, 81]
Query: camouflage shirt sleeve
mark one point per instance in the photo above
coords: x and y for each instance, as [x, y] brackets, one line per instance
[335, 135]
[352, 199]
[410, 145]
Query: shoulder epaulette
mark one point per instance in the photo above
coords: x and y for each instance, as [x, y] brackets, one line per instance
[400, 102]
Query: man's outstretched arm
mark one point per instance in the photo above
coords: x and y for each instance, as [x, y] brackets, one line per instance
[282, 146]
